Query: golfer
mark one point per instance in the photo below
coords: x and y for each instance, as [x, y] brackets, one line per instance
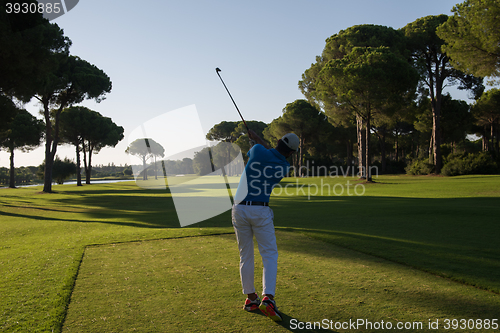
[252, 216]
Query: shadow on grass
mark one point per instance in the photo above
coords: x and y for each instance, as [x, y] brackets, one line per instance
[36, 217]
[456, 305]
[450, 237]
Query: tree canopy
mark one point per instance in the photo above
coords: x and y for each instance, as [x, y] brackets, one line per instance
[27, 41]
[145, 148]
[366, 82]
[88, 131]
[472, 36]
[223, 131]
[25, 132]
[340, 44]
[486, 112]
[371, 83]
[72, 81]
[435, 70]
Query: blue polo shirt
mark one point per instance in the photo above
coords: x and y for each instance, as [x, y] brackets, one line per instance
[264, 170]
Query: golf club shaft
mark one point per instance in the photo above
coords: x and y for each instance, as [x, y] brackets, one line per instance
[244, 122]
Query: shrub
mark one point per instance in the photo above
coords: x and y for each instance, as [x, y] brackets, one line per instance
[467, 164]
[61, 169]
[128, 171]
[419, 167]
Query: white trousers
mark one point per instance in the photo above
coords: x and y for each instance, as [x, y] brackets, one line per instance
[249, 221]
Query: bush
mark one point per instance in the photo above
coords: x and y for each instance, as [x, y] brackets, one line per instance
[467, 164]
[128, 171]
[61, 170]
[419, 167]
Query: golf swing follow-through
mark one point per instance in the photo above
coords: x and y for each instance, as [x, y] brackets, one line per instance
[252, 216]
[217, 70]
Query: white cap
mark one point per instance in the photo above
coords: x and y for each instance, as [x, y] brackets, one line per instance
[292, 141]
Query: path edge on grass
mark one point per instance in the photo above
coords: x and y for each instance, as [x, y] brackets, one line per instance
[62, 306]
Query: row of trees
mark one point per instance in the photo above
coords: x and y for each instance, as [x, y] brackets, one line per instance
[205, 161]
[378, 84]
[61, 171]
[35, 63]
[89, 132]
[23, 175]
[373, 76]
[399, 142]
[324, 144]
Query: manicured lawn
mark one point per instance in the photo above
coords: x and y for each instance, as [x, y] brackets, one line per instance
[192, 285]
[44, 237]
[446, 226]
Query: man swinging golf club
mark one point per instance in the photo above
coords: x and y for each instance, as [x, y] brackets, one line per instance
[252, 216]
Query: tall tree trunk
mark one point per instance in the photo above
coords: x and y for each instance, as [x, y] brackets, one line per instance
[88, 168]
[367, 143]
[78, 167]
[431, 149]
[437, 75]
[145, 171]
[156, 176]
[436, 89]
[49, 161]
[12, 173]
[484, 139]
[437, 138]
[361, 137]
[84, 158]
[52, 140]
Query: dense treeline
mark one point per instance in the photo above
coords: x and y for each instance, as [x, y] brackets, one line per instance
[23, 176]
[63, 170]
[375, 99]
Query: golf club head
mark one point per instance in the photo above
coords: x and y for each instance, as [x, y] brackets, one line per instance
[217, 70]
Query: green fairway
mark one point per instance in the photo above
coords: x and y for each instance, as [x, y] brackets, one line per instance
[44, 237]
[192, 285]
[446, 226]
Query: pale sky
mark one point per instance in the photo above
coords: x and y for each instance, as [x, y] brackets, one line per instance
[161, 55]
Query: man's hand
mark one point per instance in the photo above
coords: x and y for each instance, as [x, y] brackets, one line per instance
[253, 136]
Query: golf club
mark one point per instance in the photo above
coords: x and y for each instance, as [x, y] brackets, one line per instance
[217, 70]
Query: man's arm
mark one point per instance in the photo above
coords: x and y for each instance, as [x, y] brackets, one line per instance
[253, 136]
